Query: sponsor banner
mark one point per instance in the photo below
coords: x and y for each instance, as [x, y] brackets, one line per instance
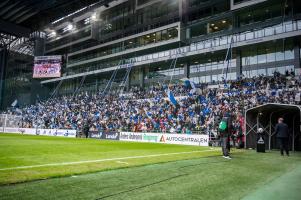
[109, 136]
[47, 132]
[95, 134]
[197, 140]
[29, 131]
[183, 139]
[56, 132]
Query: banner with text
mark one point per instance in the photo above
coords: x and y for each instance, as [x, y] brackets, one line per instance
[34, 131]
[182, 139]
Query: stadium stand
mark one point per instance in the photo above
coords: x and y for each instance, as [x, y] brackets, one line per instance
[151, 110]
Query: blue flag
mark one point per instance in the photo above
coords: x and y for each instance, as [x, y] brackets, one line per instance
[171, 98]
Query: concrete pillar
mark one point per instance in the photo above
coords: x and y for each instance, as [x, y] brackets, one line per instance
[183, 11]
[3, 67]
[183, 14]
[128, 82]
[141, 77]
[187, 70]
[37, 91]
[296, 54]
[238, 64]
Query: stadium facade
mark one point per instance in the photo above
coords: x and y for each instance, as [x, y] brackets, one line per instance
[264, 36]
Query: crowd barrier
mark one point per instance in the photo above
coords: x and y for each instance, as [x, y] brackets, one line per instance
[38, 131]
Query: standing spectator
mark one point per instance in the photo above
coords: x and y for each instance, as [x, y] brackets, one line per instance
[86, 129]
[225, 133]
[282, 135]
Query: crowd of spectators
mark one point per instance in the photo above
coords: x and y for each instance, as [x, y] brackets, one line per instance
[150, 110]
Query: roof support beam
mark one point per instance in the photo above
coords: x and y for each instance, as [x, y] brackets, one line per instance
[13, 29]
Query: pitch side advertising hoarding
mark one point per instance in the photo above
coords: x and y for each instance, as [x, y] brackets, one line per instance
[104, 135]
[182, 139]
[47, 132]
[110, 136]
[56, 132]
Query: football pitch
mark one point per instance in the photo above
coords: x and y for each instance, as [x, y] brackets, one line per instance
[41, 167]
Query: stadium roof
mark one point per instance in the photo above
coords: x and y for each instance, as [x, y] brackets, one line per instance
[20, 17]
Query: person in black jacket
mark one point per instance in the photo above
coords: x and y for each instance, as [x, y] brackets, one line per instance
[282, 134]
[86, 129]
[225, 136]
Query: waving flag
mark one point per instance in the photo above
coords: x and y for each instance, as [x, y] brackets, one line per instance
[171, 98]
[190, 84]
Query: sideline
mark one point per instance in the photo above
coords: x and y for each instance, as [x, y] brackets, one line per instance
[104, 160]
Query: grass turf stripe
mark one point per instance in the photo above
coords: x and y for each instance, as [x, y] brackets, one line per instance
[104, 160]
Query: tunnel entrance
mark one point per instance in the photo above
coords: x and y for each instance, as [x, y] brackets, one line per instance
[266, 116]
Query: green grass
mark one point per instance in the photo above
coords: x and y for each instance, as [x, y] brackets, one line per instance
[24, 150]
[197, 175]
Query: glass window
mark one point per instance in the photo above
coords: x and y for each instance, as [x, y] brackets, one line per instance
[253, 57]
[271, 71]
[198, 30]
[214, 65]
[279, 53]
[164, 35]
[268, 31]
[261, 55]
[289, 54]
[262, 72]
[249, 35]
[172, 33]
[207, 43]
[220, 65]
[232, 76]
[220, 25]
[223, 40]
[281, 70]
[288, 27]
[208, 79]
[270, 54]
[193, 47]
[279, 29]
[259, 33]
[214, 78]
[158, 36]
[200, 45]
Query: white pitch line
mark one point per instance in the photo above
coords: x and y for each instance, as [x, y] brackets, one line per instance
[103, 160]
[121, 162]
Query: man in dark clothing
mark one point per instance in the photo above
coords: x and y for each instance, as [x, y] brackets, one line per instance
[86, 129]
[282, 134]
[225, 135]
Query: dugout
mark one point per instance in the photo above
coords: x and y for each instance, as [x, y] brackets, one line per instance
[266, 116]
